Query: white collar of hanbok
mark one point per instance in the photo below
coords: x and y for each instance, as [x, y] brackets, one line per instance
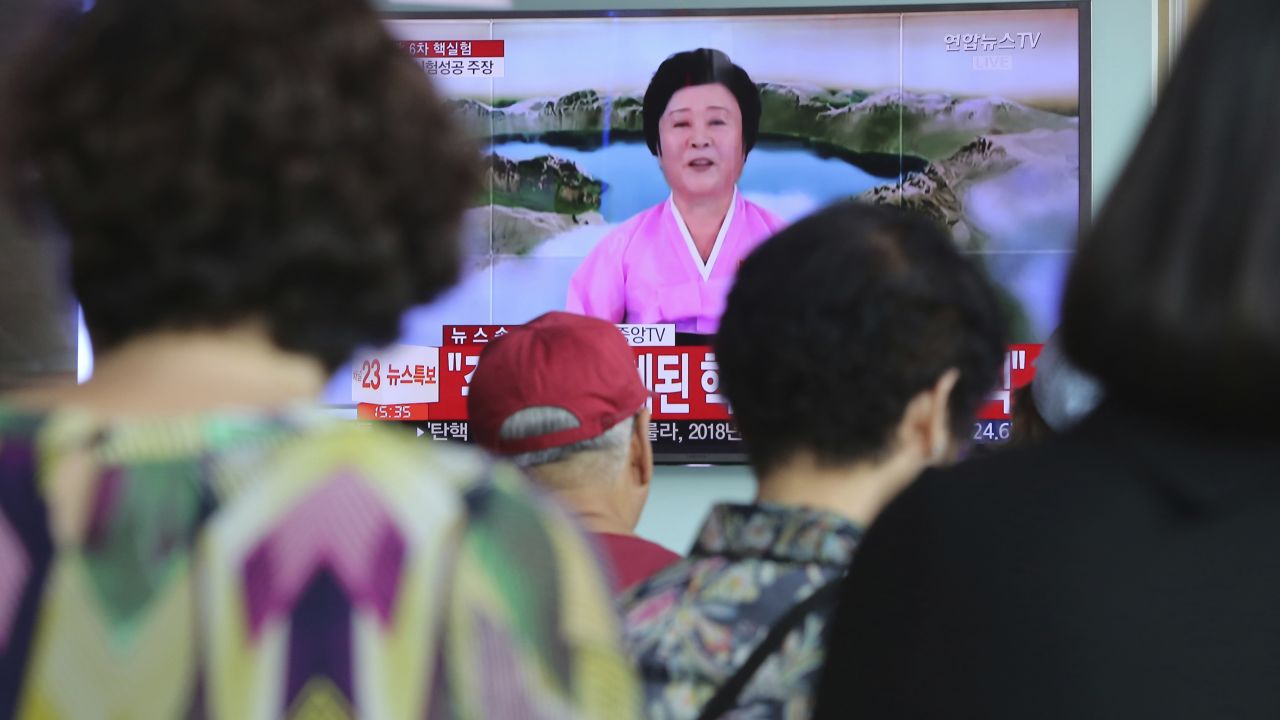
[704, 268]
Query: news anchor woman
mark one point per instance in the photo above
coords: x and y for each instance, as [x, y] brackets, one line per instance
[674, 263]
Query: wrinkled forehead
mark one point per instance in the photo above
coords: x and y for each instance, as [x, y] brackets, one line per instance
[709, 98]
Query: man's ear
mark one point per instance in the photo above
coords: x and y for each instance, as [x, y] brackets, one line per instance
[926, 423]
[641, 469]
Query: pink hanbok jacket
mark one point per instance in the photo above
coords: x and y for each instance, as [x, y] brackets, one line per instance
[647, 270]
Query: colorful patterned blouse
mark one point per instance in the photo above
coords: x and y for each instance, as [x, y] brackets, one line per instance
[243, 566]
[693, 624]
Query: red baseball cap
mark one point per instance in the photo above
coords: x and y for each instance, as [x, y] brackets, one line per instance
[580, 364]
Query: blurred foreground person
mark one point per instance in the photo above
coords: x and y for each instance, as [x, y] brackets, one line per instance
[251, 191]
[1057, 398]
[1128, 567]
[856, 346]
[560, 397]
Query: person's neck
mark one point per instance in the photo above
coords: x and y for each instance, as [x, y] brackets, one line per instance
[704, 216]
[173, 373]
[595, 511]
[858, 491]
[602, 523]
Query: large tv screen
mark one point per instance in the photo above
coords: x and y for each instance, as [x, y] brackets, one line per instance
[974, 115]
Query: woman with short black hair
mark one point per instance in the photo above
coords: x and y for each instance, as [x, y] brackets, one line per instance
[856, 346]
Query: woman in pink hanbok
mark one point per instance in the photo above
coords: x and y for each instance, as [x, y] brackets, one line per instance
[674, 263]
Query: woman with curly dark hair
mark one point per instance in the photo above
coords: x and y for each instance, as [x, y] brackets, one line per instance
[251, 191]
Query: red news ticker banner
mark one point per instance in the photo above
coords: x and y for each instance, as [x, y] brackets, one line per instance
[1019, 369]
[684, 380]
[454, 59]
[437, 49]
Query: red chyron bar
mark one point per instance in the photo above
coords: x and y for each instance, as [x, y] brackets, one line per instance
[454, 48]
[1019, 369]
[685, 382]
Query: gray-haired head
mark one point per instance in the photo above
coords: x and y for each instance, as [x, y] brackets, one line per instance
[597, 458]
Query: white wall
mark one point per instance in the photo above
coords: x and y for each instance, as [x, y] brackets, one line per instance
[681, 497]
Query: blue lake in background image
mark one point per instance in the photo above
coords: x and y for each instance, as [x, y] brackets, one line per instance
[633, 181]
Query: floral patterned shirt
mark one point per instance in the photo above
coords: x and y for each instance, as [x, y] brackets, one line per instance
[693, 624]
[249, 565]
